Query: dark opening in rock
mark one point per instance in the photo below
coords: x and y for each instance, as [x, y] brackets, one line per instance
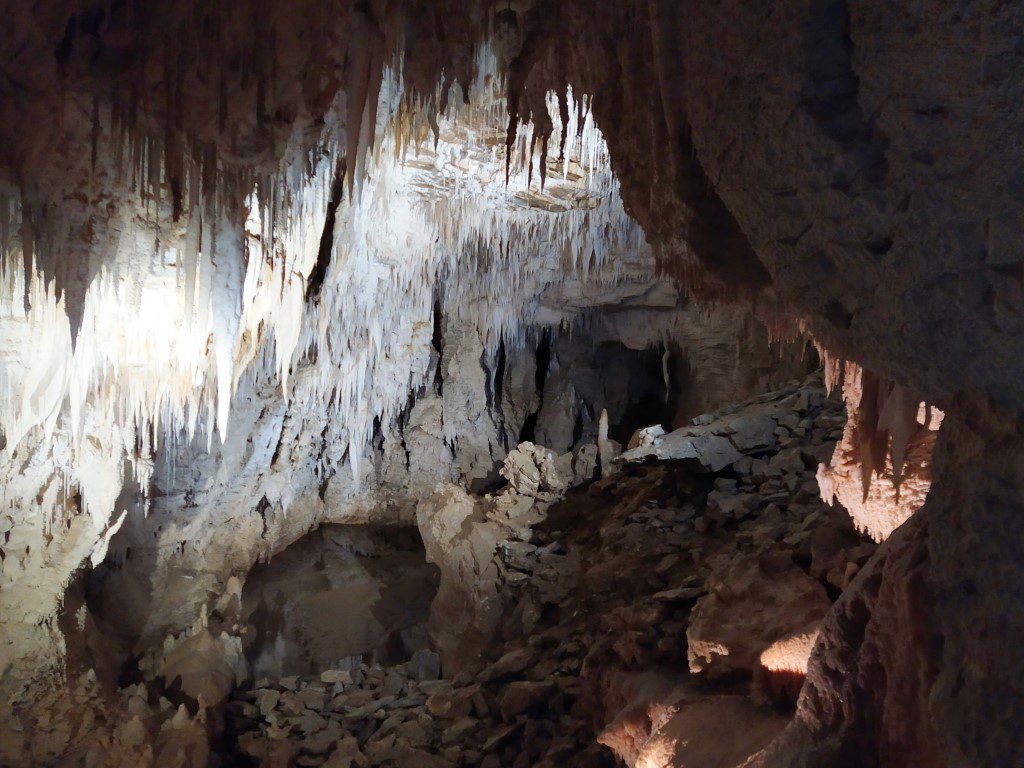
[343, 593]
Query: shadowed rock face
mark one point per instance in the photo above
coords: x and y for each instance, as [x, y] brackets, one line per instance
[339, 593]
[902, 650]
[863, 153]
[849, 168]
[754, 604]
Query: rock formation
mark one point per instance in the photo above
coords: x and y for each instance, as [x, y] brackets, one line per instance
[759, 611]
[519, 283]
[881, 471]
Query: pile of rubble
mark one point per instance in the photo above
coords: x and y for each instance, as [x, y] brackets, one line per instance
[512, 712]
[634, 618]
[89, 725]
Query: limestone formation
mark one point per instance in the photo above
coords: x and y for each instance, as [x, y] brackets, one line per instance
[881, 470]
[531, 469]
[461, 542]
[269, 267]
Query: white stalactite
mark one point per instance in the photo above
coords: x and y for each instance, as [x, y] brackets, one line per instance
[182, 317]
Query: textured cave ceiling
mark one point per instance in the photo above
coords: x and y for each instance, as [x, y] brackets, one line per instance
[877, 135]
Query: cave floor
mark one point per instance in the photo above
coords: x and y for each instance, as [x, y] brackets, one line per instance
[640, 619]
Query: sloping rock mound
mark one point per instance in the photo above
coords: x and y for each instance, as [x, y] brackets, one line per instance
[589, 601]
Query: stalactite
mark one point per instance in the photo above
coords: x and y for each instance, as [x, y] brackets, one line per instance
[886, 447]
[164, 349]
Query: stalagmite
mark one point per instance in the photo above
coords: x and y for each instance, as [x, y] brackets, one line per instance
[606, 449]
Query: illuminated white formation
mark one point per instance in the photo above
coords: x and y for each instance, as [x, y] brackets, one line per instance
[177, 316]
[168, 331]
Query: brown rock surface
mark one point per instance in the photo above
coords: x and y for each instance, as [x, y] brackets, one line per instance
[753, 603]
[870, 695]
[712, 732]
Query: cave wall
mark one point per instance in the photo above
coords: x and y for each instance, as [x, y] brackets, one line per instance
[946, 581]
[847, 168]
[864, 151]
[858, 149]
[206, 352]
[806, 139]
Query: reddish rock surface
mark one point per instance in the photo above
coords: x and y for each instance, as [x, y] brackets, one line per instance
[874, 443]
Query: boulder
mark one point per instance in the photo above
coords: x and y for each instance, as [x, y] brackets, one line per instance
[713, 451]
[646, 436]
[754, 601]
[523, 695]
[531, 469]
[425, 665]
[206, 665]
